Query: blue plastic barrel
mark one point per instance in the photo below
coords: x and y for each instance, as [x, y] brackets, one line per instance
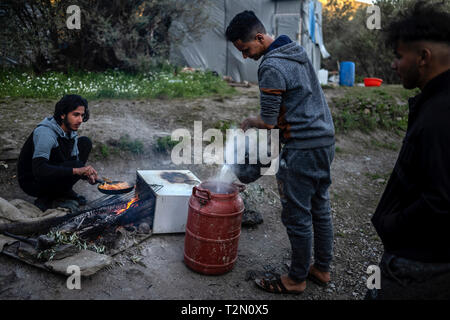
[347, 74]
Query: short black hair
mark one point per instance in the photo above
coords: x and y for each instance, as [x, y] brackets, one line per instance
[244, 27]
[67, 104]
[421, 22]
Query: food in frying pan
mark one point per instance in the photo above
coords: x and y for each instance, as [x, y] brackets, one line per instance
[114, 186]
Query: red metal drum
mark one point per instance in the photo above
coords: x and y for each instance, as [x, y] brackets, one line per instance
[213, 227]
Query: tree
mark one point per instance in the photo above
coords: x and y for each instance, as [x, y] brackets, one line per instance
[348, 39]
[124, 34]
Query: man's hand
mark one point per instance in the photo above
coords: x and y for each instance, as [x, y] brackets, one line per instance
[255, 122]
[88, 172]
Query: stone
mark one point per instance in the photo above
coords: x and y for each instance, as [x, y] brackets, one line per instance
[144, 228]
[251, 218]
[89, 262]
[45, 242]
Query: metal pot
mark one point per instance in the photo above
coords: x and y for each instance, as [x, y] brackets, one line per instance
[247, 172]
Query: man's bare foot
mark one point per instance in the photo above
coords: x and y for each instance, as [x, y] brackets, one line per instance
[320, 277]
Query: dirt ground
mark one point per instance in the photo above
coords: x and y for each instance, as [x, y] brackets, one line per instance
[360, 171]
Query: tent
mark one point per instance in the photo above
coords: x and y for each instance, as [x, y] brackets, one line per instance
[301, 20]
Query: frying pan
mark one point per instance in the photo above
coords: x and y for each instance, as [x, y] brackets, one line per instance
[119, 191]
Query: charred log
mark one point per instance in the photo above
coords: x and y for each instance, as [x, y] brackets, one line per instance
[38, 227]
[93, 223]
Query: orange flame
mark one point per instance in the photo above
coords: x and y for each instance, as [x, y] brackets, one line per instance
[128, 205]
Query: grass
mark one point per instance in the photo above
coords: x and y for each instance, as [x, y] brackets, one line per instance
[112, 85]
[134, 146]
[118, 147]
[385, 145]
[376, 176]
[327, 86]
[367, 109]
[224, 125]
[165, 144]
[104, 150]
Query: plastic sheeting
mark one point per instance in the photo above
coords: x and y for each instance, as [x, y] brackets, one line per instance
[238, 68]
[288, 24]
[313, 45]
[208, 52]
[213, 52]
[318, 30]
[312, 20]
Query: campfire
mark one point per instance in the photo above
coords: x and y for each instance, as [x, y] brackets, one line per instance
[110, 225]
[104, 222]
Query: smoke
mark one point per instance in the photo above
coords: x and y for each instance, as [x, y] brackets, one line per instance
[225, 174]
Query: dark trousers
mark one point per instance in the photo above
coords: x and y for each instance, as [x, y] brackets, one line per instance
[404, 279]
[59, 187]
[303, 182]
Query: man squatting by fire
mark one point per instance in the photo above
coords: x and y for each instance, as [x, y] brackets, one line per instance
[54, 158]
[292, 100]
[413, 216]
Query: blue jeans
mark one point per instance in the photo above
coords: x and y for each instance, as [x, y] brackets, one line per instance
[303, 181]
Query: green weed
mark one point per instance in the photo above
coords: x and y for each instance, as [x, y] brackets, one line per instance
[367, 109]
[339, 150]
[376, 176]
[165, 144]
[385, 145]
[125, 143]
[104, 150]
[134, 146]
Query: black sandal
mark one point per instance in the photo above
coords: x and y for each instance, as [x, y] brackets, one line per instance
[274, 286]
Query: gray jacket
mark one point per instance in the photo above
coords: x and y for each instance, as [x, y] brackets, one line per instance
[292, 98]
[45, 138]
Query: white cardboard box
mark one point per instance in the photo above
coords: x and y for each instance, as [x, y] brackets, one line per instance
[172, 189]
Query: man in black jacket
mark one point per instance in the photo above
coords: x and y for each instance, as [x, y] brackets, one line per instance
[413, 216]
[53, 157]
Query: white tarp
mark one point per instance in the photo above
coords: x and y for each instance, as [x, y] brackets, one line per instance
[213, 52]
